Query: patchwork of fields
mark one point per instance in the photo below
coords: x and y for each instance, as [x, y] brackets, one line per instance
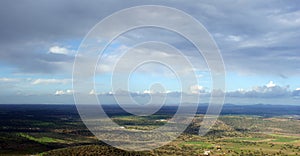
[59, 131]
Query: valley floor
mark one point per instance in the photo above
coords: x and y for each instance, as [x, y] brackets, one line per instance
[61, 132]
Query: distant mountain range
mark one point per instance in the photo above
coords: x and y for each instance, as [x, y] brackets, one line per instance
[265, 110]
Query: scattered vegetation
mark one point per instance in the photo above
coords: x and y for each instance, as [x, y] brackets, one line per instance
[59, 131]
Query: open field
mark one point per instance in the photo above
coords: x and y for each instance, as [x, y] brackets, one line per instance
[58, 130]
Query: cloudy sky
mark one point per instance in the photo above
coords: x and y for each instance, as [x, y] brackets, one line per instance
[258, 40]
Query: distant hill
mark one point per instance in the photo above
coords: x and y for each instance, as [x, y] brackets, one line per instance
[266, 110]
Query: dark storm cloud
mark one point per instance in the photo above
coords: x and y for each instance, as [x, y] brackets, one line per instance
[45, 20]
[258, 37]
[264, 61]
[28, 28]
[32, 60]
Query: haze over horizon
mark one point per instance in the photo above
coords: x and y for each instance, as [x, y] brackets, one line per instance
[258, 40]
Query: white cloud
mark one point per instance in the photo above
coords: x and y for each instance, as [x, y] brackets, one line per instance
[234, 38]
[153, 91]
[50, 81]
[241, 90]
[93, 92]
[271, 84]
[196, 89]
[120, 60]
[8, 79]
[270, 90]
[62, 92]
[147, 92]
[60, 50]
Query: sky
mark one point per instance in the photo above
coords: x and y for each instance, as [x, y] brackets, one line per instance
[258, 40]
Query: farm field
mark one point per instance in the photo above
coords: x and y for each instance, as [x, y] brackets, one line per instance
[48, 130]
